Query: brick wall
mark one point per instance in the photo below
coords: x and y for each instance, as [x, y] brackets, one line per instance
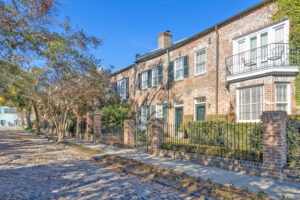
[204, 85]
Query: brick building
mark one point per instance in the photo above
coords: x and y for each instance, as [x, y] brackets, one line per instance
[238, 67]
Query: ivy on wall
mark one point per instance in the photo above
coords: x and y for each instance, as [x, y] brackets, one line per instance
[291, 9]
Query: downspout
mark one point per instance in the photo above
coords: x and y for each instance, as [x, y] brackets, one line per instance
[217, 70]
[168, 86]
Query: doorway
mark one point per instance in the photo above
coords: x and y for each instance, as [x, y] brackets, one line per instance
[178, 118]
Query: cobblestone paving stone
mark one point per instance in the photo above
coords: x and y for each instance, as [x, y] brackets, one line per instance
[33, 168]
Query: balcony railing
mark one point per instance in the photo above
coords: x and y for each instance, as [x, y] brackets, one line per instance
[271, 55]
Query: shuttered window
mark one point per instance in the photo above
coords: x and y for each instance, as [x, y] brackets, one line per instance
[159, 111]
[145, 80]
[179, 69]
[122, 88]
[200, 62]
[155, 76]
[282, 97]
[144, 114]
[250, 103]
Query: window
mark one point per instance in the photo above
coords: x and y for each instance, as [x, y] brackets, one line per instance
[279, 35]
[179, 69]
[200, 62]
[282, 96]
[155, 76]
[264, 48]
[253, 46]
[250, 102]
[121, 89]
[144, 114]
[6, 110]
[145, 80]
[159, 111]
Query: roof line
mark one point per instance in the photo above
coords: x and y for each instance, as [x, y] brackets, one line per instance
[196, 36]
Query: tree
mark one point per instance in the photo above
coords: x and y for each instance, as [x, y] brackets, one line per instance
[291, 9]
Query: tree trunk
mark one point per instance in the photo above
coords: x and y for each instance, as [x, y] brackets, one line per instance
[78, 125]
[37, 117]
[28, 120]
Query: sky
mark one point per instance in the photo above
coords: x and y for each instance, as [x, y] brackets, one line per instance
[130, 27]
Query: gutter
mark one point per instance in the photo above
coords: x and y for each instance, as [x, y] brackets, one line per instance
[168, 86]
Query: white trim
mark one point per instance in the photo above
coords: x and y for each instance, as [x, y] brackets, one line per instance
[195, 61]
[263, 72]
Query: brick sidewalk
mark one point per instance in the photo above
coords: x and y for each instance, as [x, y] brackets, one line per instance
[274, 188]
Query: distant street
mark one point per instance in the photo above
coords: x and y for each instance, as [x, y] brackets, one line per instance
[33, 168]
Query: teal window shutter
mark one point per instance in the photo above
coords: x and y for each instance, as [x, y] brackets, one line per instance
[165, 112]
[171, 71]
[160, 74]
[127, 87]
[148, 112]
[139, 81]
[149, 78]
[153, 111]
[186, 65]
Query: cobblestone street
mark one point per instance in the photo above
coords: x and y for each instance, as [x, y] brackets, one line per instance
[33, 168]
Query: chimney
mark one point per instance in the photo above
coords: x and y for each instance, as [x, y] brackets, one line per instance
[165, 39]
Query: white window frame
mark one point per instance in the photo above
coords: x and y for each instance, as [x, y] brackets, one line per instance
[159, 111]
[121, 88]
[144, 80]
[238, 103]
[288, 91]
[175, 69]
[155, 78]
[201, 61]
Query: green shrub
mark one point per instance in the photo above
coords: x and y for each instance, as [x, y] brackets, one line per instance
[116, 114]
[293, 146]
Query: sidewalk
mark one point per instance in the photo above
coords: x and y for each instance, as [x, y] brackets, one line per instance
[274, 189]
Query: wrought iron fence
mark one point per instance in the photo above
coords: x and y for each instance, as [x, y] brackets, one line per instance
[275, 54]
[242, 141]
[293, 144]
[112, 134]
[143, 137]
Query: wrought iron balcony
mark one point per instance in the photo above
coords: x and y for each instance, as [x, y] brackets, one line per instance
[275, 57]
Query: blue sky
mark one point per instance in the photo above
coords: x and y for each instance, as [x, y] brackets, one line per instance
[129, 27]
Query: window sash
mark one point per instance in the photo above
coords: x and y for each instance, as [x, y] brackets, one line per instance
[155, 76]
[144, 79]
[279, 35]
[159, 111]
[281, 99]
[250, 103]
[179, 69]
[121, 88]
[144, 114]
[200, 62]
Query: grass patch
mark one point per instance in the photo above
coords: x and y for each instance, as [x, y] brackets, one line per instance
[81, 148]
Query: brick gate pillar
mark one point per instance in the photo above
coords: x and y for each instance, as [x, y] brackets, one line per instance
[97, 123]
[89, 122]
[157, 126]
[274, 142]
[129, 126]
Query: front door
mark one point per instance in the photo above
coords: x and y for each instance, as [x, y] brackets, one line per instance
[178, 118]
[200, 113]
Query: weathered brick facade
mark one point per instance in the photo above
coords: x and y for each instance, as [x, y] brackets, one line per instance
[204, 85]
